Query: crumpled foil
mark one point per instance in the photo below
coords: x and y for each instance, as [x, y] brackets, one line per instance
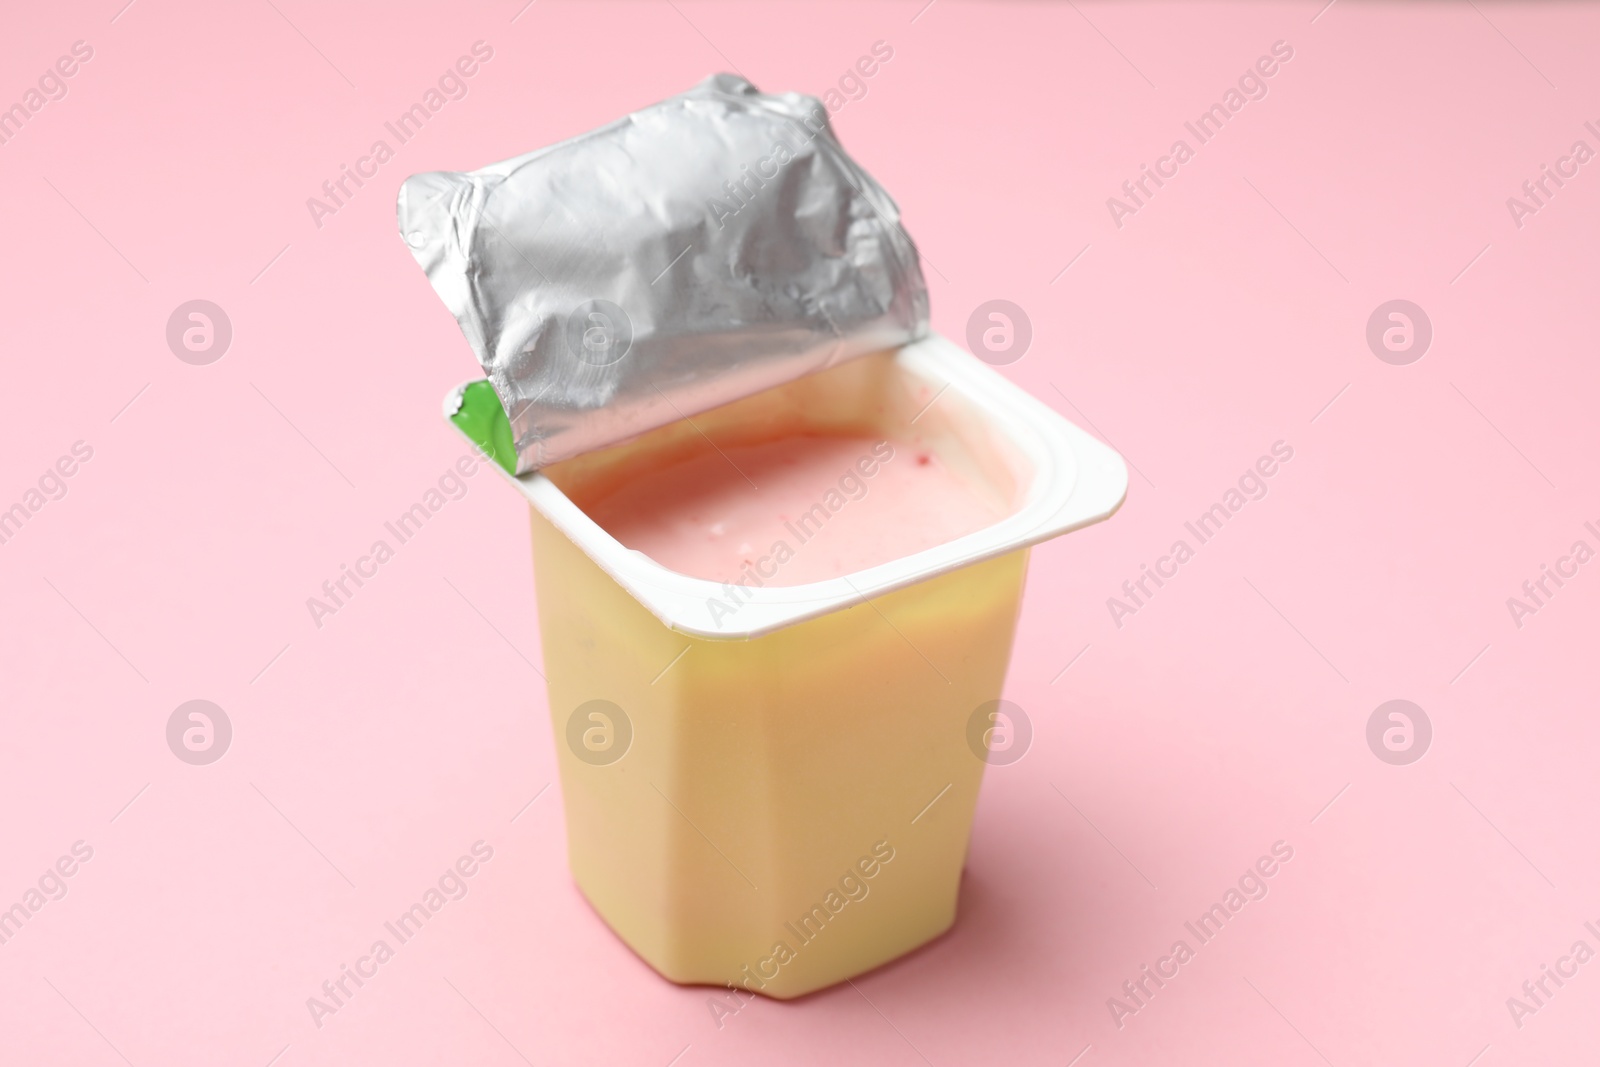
[705, 248]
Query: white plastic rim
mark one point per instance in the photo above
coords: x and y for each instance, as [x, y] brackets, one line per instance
[1076, 481]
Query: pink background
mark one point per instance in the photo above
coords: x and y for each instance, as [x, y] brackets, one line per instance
[1229, 713]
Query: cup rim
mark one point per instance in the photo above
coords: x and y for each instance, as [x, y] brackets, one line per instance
[1077, 481]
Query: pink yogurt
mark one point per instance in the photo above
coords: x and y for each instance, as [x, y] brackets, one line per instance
[798, 509]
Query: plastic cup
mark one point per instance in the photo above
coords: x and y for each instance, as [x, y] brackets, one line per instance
[781, 797]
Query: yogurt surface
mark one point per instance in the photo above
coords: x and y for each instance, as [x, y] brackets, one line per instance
[793, 510]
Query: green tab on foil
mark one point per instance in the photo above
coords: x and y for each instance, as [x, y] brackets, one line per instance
[484, 421]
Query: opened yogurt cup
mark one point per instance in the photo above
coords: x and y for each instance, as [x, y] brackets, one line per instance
[780, 529]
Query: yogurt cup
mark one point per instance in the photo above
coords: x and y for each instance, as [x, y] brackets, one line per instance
[779, 797]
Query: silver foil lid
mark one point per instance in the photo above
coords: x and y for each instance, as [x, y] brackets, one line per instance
[703, 249]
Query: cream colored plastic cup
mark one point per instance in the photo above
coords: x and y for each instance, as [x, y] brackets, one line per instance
[780, 797]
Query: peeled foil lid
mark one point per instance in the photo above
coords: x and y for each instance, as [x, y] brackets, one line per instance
[708, 247]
